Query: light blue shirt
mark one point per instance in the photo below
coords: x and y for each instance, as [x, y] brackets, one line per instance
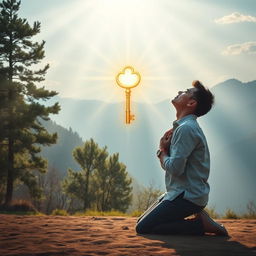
[187, 168]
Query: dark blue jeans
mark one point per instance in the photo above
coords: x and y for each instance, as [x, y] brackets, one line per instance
[167, 218]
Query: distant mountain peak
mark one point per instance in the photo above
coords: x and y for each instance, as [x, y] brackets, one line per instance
[251, 83]
[232, 80]
[229, 82]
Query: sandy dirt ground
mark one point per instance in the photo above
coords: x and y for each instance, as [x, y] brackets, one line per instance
[90, 236]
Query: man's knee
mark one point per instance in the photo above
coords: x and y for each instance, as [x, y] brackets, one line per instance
[141, 228]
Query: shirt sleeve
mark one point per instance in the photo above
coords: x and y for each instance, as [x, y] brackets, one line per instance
[183, 143]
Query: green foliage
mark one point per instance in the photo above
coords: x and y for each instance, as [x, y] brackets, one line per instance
[111, 185]
[212, 213]
[230, 214]
[89, 157]
[59, 212]
[103, 183]
[21, 131]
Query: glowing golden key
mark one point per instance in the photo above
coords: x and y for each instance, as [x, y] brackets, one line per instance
[128, 79]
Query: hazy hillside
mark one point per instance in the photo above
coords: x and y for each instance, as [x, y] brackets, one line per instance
[60, 154]
[229, 127]
[232, 139]
[104, 123]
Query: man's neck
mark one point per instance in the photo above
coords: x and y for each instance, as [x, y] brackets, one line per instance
[181, 114]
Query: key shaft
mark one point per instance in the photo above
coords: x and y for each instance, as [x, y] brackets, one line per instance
[129, 116]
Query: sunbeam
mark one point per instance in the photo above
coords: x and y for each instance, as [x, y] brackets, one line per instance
[162, 40]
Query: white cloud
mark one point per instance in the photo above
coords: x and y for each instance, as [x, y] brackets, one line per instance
[236, 49]
[235, 17]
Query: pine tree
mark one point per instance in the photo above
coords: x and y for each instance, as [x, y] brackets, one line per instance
[22, 108]
[112, 186]
[103, 183]
[90, 157]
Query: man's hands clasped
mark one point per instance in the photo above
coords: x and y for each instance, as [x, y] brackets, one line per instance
[165, 142]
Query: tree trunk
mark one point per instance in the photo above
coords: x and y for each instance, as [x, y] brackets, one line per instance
[9, 187]
[10, 178]
[86, 201]
[10, 174]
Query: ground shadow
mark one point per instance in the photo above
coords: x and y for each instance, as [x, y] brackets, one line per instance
[203, 245]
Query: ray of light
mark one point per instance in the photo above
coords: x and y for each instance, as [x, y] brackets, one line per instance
[102, 56]
[60, 18]
[149, 59]
[179, 25]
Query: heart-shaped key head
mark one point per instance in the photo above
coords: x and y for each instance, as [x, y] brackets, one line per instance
[128, 78]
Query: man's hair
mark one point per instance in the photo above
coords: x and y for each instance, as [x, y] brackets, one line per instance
[204, 98]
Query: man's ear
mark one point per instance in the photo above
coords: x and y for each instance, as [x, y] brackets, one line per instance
[192, 103]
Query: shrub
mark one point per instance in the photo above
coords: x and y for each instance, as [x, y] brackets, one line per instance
[251, 211]
[211, 211]
[19, 206]
[136, 213]
[59, 212]
[230, 214]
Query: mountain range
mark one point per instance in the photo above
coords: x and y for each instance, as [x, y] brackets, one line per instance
[229, 128]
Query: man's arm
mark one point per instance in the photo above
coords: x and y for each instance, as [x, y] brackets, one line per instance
[184, 143]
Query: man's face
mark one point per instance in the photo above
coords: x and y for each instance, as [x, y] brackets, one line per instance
[184, 97]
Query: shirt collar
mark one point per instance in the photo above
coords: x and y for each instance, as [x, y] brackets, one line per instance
[176, 123]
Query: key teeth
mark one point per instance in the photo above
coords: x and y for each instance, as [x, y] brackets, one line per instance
[132, 117]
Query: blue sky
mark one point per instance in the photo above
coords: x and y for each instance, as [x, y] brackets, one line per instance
[170, 43]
